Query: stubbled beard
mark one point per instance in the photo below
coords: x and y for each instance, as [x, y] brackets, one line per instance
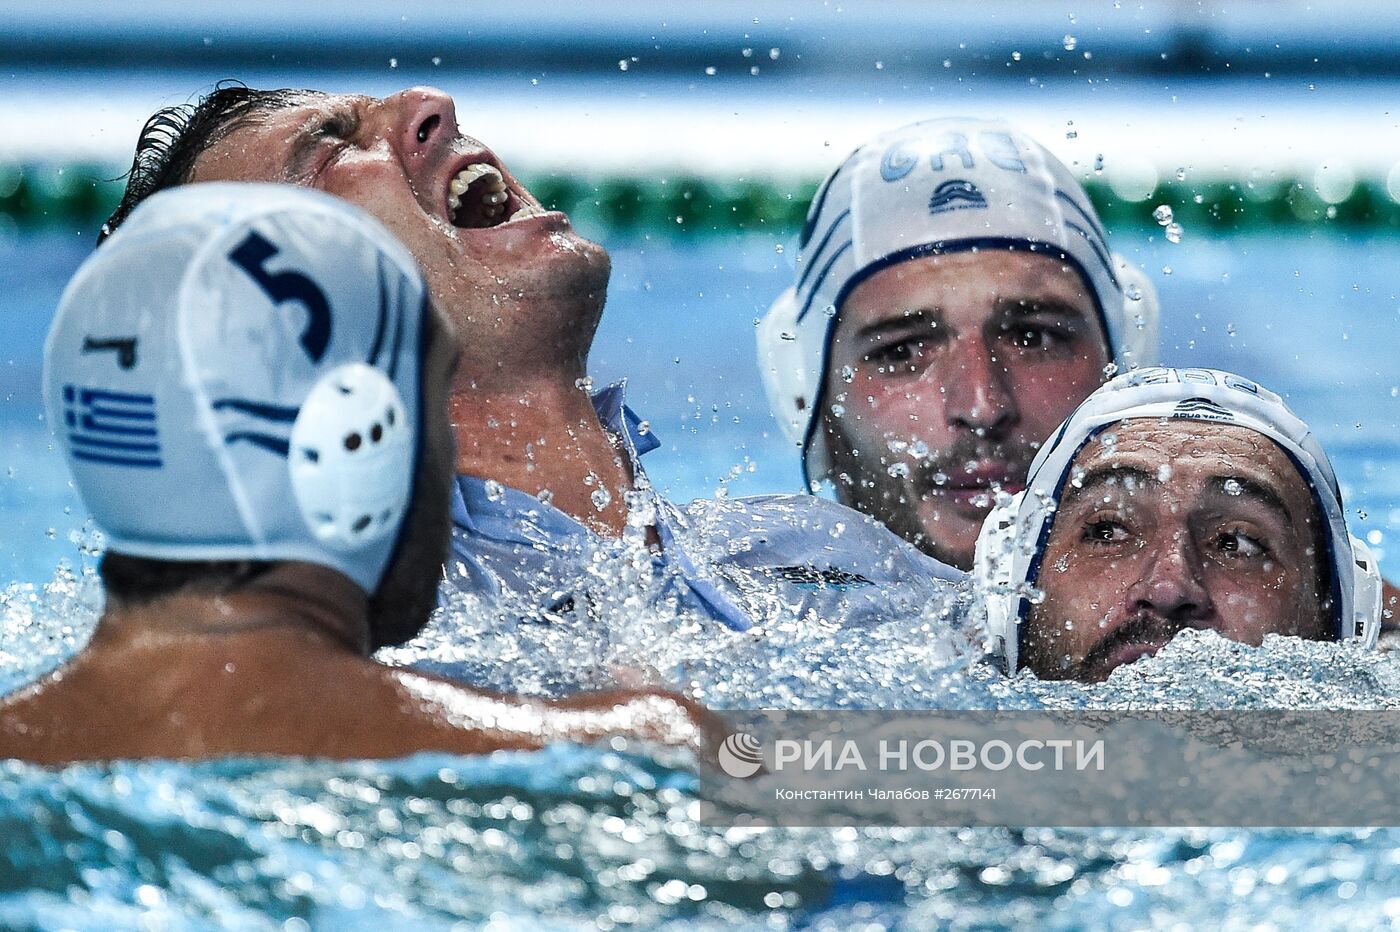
[892, 500]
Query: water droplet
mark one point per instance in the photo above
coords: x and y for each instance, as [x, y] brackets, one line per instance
[546, 496]
[1070, 42]
[644, 428]
[1362, 515]
[1098, 164]
[1181, 174]
[898, 470]
[1015, 56]
[1162, 214]
[1166, 270]
[838, 410]
[1133, 292]
[1232, 487]
[847, 373]
[584, 384]
[1110, 370]
[774, 53]
[778, 248]
[393, 63]
[1173, 231]
[785, 335]
[494, 490]
[601, 498]
[436, 61]
[1164, 472]
[622, 64]
[710, 70]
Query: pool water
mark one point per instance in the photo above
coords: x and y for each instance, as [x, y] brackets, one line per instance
[1311, 316]
[574, 837]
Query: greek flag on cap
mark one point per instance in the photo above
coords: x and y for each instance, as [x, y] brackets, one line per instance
[1013, 537]
[940, 186]
[234, 375]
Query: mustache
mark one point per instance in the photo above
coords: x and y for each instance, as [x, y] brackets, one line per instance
[1142, 628]
[934, 470]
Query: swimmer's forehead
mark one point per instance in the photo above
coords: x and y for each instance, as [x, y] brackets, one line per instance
[264, 144]
[1132, 453]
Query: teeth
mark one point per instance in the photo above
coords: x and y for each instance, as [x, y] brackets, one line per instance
[527, 210]
[493, 188]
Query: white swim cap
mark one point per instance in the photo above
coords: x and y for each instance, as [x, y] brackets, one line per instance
[1013, 537]
[234, 375]
[935, 187]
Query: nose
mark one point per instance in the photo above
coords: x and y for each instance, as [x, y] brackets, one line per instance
[422, 120]
[977, 395]
[1170, 585]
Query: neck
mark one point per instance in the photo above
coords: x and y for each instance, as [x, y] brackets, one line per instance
[545, 436]
[292, 598]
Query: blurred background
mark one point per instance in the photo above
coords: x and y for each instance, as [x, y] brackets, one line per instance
[689, 137]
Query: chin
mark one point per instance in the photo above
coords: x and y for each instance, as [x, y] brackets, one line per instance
[949, 540]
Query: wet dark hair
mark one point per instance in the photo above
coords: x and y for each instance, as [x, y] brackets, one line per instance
[174, 137]
[139, 581]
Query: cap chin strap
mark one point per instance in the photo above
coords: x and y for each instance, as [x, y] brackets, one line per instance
[992, 581]
[1365, 623]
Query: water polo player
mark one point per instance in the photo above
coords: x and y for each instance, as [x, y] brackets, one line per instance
[1172, 499]
[250, 388]
[955, 299]
[549, 474]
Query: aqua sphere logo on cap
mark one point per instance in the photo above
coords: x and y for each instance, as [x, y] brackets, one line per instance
[738, 755]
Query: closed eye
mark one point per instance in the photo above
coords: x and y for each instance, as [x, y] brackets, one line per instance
[340, 125]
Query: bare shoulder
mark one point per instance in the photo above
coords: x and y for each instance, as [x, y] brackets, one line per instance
[513, 722]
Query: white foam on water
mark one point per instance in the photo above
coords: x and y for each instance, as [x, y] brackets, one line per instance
[588, 838]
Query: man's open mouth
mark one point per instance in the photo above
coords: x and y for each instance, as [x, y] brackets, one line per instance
[478, 197]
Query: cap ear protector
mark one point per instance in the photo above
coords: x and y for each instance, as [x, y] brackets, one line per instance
[937, 187]
[1012, 541]
[267, 400]
[351, 447]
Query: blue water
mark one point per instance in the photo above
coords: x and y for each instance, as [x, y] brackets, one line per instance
[608, 837]
[1314, 317]
[607, 842]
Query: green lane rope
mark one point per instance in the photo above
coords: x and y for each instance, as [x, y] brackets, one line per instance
[81, 195]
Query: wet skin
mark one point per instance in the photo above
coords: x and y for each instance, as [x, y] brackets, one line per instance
[973, 357]
[1227, 540]
[280, 665]
[525, 296]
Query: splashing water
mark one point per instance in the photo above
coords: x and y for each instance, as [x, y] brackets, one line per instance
[609, 837]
